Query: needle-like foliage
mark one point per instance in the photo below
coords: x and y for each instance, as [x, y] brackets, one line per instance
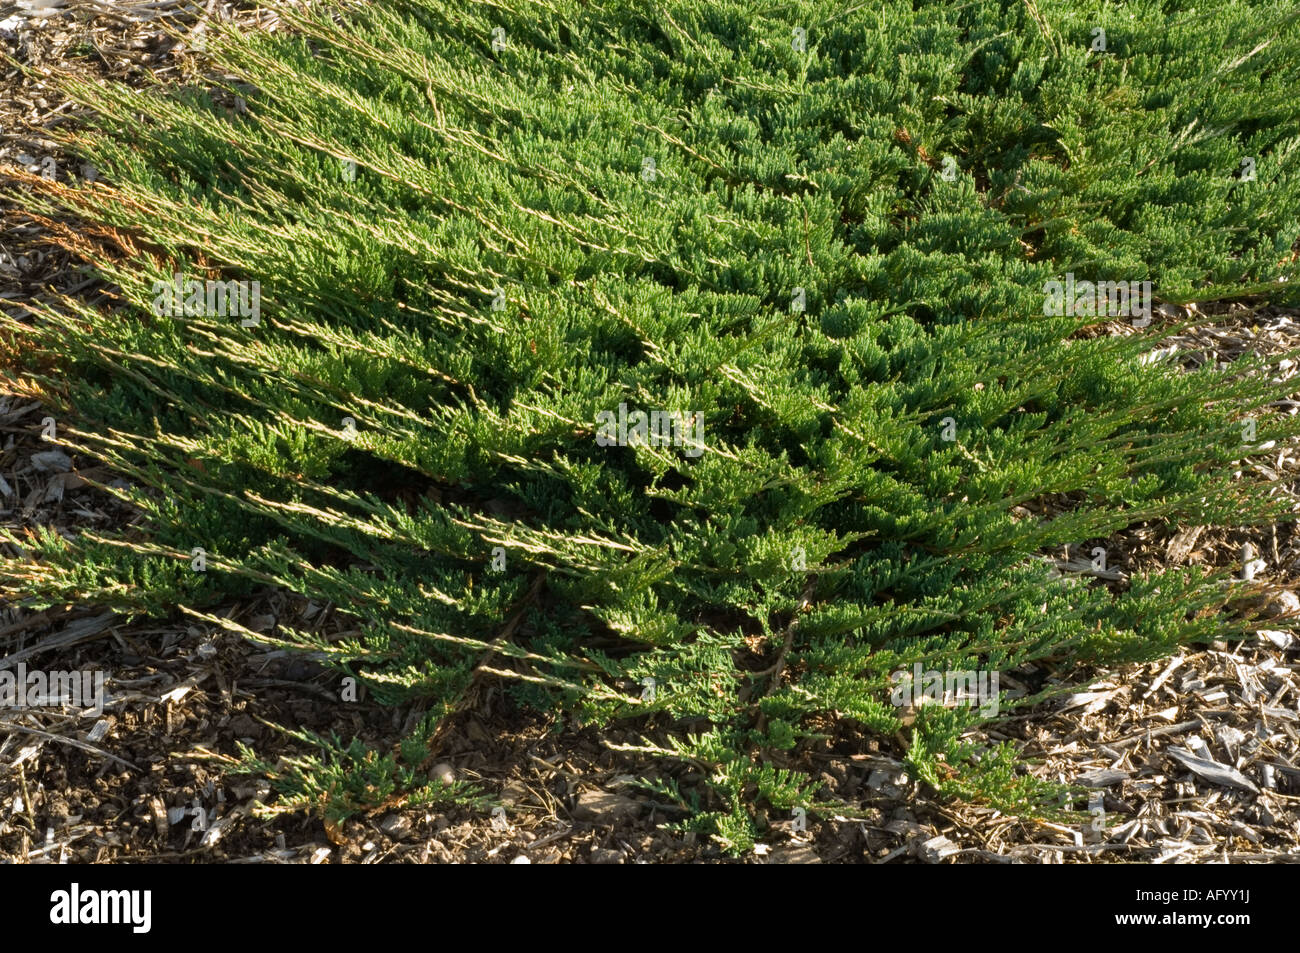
[818, 238]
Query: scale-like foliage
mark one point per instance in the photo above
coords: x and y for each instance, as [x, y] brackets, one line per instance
[826, 229]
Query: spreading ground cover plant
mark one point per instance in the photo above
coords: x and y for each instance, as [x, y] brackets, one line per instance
[388, 305]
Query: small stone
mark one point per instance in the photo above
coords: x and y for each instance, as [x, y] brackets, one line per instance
[606, 856]
[443, 773]
[395, 826]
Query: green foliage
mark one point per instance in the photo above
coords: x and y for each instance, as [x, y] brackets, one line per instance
[339, 779]
[828, 534]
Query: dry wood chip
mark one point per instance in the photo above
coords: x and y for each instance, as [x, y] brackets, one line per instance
[1212, 770]
[901, 827]
[176, 694]
[160, 817]
[1180, 546]
[52, 460]
[935, 849]
[1102, 777]
[217, 829]
[1091, 701]
[799, 854]
[1164, 676]
[1283, 640]
[77, 631]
